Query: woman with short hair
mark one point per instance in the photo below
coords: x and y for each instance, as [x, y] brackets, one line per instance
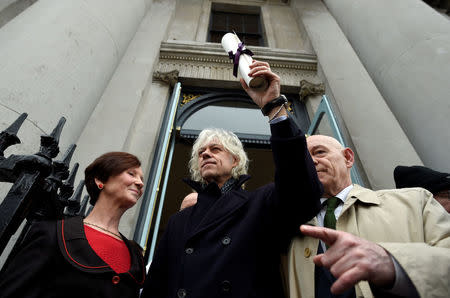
[76, 257]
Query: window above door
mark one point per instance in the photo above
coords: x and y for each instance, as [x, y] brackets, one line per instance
[245, 21]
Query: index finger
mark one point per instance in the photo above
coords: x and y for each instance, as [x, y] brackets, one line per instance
[256, 63]
[329, 236]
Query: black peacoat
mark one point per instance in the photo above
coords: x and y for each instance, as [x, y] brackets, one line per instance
[56, 260]
[229, 245]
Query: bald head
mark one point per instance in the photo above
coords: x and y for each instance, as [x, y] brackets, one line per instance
[315, 140]
[333, 163]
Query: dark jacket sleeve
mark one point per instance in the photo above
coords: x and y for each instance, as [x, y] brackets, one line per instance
[30, 265]
[297, 187]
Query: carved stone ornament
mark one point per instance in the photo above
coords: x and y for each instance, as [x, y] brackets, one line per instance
[187, 98]
[197, 61]
[308, 88]
[170, 77]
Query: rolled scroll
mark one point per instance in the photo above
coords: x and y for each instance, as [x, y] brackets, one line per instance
[242, 59]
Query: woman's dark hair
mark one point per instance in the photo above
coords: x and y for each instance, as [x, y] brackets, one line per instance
[105, 166]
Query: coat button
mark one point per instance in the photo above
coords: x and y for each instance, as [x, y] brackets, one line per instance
[226, 240]
[181, 293]
[307, 252]
[116, 279]
[226, 286]
[189, 250]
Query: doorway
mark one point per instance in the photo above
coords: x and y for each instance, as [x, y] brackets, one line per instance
[196, 109]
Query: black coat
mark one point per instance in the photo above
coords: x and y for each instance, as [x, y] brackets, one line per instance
[229, 245]
[56, 260]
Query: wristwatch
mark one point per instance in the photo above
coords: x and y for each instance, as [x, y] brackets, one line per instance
[280, 100]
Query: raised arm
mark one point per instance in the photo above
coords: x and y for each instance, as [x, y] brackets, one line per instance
[297, 186]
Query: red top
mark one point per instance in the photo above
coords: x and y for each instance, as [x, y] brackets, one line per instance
[111, 250]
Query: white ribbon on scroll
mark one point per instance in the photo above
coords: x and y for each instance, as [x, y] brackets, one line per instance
[230, 42]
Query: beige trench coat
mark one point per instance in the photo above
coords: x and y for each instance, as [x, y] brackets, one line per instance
[409, 223]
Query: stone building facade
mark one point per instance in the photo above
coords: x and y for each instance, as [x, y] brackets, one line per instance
[110, 68]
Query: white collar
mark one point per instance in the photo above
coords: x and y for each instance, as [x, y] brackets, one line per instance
[341, 195]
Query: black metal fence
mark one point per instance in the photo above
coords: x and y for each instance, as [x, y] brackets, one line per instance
[42, 189]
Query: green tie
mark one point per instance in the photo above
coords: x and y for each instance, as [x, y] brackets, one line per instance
[330, 220]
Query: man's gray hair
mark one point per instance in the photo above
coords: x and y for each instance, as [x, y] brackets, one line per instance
[230, 143]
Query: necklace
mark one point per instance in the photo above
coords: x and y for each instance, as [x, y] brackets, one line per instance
[101, 228]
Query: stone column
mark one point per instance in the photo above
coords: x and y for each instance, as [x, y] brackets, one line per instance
[9, 9]
[57, 58]
[129, 113]
[405, 47]
[378, 138]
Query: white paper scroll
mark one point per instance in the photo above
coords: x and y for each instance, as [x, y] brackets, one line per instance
[230, 42]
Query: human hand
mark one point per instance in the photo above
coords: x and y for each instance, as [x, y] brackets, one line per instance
[261, 97]
[189, 200]
[351, 259]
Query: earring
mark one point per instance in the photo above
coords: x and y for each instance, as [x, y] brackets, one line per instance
[100, 186]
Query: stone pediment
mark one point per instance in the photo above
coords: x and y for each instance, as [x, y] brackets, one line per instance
[200, 61]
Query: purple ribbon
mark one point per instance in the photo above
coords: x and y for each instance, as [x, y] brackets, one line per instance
[235, 57]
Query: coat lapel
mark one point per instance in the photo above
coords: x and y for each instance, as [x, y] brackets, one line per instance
[137, 265]
[223, 207]
[76, 250]
[75, 247]
[360, 194]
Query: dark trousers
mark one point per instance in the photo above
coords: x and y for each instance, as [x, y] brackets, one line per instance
[324, 279]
